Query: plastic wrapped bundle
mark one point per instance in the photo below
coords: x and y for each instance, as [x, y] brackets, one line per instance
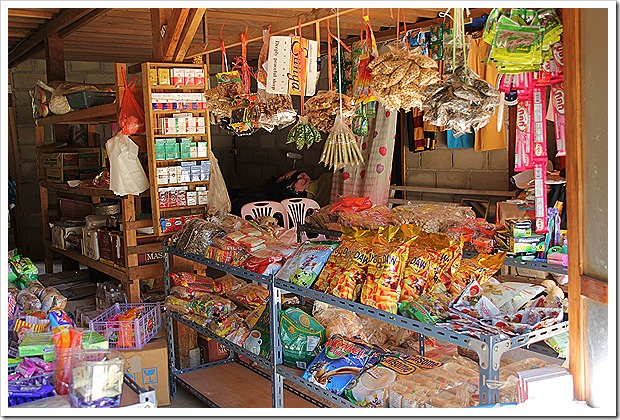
[461, 102]
[195, 236]
[323, 108]
[399, 79]
[432, 218]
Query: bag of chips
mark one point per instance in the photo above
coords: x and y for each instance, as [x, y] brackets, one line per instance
[432, 258]
[211, 306]
[479, 268]
[251, 295]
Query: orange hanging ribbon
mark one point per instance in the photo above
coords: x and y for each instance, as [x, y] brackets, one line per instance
[223, 48]
[302, 69]
[405, 29]
[329, 58]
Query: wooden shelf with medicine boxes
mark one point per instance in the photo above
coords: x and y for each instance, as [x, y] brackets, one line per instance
[178, 141]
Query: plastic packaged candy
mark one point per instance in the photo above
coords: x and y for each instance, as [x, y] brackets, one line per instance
[429, 309]
[177, 304]
[59, 319]
[229, 84]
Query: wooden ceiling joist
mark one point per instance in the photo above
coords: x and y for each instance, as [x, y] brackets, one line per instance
[256, 34]
[30, 13]
[35, 42]
[188, 34]
[174, 29]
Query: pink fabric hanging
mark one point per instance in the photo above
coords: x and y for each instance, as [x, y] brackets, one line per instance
[373, 178]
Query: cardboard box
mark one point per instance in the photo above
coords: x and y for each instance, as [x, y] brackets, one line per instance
[61, 174]
[163, 76]
[60, 160]
[211, 350]
[90, 244]
[89, 160]
[66, 236]
[149, 367]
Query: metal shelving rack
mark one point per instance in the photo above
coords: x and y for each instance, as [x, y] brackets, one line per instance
[489, 348]
[267, 364]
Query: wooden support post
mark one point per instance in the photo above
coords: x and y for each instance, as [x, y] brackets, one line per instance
[47, 234]
[55, 68]
[132, 288]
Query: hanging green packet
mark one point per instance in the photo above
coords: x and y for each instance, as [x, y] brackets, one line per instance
[517, 44]
[549, 20]
[488, 35]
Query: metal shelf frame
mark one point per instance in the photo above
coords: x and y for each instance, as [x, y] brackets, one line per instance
[489, 348]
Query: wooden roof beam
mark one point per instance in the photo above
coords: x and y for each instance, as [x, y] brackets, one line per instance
[31, 13]
[35, 42]
[256, 34]
[174, 29]
[188, 34]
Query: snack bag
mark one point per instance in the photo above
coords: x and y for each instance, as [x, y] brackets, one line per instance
[432, 258]
[479, 268]
[339, 362]
[301, 337]
[337, 320]
[229, 84]
[305, 265]
[251, 295]
[429, 308]
[382, 286]
[177, 304]
[370, 388]
[126, 333]
[211, 306]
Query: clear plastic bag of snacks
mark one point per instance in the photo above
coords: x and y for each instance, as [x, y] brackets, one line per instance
[195, 236]
[432, 218]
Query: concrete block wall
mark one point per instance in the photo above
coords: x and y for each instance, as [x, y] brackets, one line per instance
[457, 169]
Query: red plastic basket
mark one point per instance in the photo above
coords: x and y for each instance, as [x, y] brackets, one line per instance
[74, 209]
[128, 334]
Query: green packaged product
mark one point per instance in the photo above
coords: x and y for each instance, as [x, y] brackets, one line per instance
[301, 336]
[37, 344]
[94, 340]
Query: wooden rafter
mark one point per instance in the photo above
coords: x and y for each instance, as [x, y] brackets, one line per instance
[35, 42]
[174, 29]
[283, 25]
[30, 13]
[189, 31]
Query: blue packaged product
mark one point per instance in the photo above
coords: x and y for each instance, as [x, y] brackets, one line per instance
[340, 362]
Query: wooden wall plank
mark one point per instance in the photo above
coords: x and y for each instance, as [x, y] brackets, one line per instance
[574, 198]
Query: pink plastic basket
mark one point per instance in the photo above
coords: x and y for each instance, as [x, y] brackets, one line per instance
[128, 334]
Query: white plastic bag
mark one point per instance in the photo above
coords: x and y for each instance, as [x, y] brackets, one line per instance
[126, 173]
[219, 201]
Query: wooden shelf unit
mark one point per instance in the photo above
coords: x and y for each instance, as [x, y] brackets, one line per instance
[153, 118]
[132, 273]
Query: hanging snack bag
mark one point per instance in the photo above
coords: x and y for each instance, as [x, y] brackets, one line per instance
[301, 337]
[305, 265]
[339, 363]
[229, 84]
